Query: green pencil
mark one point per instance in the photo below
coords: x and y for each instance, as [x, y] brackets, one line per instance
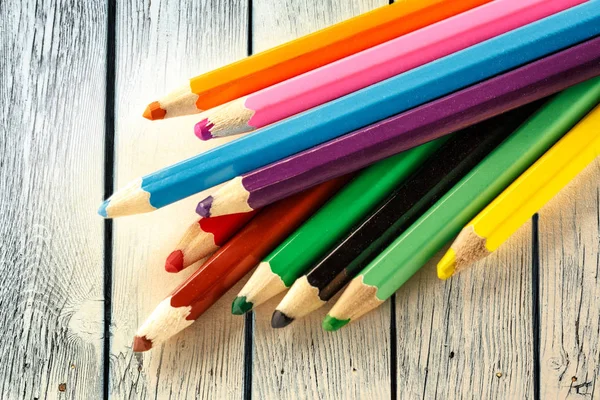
[293, 257]
[444, 220]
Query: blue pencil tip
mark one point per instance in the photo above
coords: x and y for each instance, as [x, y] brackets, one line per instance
[102, 209]
[203, 208]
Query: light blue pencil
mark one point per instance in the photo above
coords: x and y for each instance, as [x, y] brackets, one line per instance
[357, 110]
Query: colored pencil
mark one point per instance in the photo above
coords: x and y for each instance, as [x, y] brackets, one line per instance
[280, 269]
[365, 146]
[400, 210]
[374, 65]
[411, 250]
[229, 264]
[517, 204]
[356, 110]
[203, 238]
[302, 55]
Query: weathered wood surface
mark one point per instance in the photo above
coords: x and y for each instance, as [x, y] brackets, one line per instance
[570, 290]
[303, 361]
[52, 72]
[160, 43]
[471, 337]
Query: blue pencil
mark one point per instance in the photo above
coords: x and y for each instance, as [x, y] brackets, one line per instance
[356, 110]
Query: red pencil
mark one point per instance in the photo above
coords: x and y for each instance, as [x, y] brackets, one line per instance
[230, 263]
[203, 238]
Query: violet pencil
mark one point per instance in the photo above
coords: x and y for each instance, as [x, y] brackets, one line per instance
[365, 146]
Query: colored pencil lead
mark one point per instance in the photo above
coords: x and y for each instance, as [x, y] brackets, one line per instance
[447, 265]
[154, 111]
[174, 261]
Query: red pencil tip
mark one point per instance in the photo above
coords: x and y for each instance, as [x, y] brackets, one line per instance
[141, 344]
[154, 111]
[174, 262]
[202, 129]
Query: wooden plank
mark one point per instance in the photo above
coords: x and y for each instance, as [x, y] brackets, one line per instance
[303, 361]
[570, 289]
[160, 44]
[52, 82]
[469, 337]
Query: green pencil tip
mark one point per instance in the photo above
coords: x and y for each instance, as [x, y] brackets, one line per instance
[240, 306]
[331, 324]
[447, 265]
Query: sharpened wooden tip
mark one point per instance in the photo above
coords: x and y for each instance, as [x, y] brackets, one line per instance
[141, 344]
[154, 111]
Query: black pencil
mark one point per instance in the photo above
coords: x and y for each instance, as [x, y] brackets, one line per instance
[395, 214]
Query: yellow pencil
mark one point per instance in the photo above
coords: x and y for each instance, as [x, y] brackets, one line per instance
[525, 196]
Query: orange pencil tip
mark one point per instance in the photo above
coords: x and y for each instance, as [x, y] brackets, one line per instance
[141, 344]
[154, 111]
[174, 262]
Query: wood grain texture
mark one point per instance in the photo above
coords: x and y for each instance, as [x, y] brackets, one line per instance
[52, 74]
[302, 360]
[161, 43]
[570, 290]
[275, 22]
[470, 336]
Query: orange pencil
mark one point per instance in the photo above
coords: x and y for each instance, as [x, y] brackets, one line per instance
[230, 263]
[304, 54]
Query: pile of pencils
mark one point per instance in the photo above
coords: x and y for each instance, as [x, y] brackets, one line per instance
[369, 146]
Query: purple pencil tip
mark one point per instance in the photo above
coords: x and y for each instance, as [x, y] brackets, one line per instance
[203, 208]
[202, 129]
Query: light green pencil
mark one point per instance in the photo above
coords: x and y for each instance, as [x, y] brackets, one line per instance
[444, 220]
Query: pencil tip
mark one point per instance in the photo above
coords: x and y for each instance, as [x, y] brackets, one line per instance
[203, 208]
[141, 344]
[240, 306]
[174, 262]
[202, 129]
[280, 320]
[331, 324]
[447, 265]
[102, 210]
[154, 111]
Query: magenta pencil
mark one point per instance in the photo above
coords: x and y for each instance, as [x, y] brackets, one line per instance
[374, 65]
[404, 131]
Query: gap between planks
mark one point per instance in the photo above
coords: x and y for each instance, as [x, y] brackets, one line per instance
[109, 172]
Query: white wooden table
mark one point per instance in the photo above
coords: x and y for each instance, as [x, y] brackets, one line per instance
[74, 79]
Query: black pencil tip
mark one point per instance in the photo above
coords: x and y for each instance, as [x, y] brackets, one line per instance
[280, 320]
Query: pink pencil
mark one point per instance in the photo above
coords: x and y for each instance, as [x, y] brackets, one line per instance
[374, 65]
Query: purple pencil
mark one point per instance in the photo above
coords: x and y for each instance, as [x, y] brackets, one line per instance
[365, 146]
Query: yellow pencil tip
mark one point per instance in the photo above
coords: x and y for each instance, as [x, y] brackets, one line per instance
[447, 265]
